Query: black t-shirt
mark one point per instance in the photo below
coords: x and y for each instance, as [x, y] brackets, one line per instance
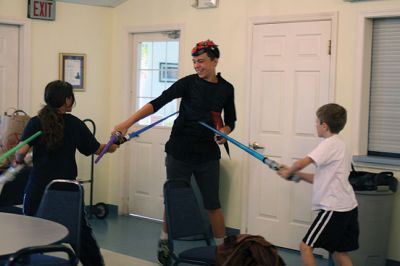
[60, 163]
[190, 141]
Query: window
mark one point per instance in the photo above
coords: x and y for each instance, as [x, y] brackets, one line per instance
[157, 58]
[384, 115]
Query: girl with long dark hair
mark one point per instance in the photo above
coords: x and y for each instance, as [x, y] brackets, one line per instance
[54, 155]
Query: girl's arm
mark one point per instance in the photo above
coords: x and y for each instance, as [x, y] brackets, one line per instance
[20, 154]
[111, 149]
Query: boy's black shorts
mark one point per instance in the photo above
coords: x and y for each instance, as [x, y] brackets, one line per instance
[206, 175]
[334, 231]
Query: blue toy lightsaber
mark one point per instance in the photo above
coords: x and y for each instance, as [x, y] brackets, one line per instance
[137, 133]
[272, 164]
[118, 138]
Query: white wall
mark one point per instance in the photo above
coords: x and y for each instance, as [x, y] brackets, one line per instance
[102, 33]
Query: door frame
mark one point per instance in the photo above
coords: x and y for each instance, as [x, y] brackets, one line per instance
[128, 66]
[252, 22]
[24, 68]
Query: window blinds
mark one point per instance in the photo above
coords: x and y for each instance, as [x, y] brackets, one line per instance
[384, 124]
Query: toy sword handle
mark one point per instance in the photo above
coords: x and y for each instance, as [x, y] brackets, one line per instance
[117, 138]
[113, 138]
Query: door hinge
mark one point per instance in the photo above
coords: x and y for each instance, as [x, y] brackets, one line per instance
[329, 47]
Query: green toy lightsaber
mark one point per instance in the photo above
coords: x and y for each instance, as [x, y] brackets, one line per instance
[16, 148]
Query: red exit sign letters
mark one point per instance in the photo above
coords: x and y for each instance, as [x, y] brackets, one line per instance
[42, 9]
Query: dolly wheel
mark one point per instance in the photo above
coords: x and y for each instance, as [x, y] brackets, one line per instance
[101, 210]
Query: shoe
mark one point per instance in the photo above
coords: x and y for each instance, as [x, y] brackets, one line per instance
[163, 253]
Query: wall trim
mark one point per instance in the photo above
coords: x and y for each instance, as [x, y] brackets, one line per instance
[24, 74]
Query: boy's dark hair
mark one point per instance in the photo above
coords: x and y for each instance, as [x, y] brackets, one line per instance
[334, 115]
[208, 47]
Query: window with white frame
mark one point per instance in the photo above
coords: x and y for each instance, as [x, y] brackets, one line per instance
[157, 58]
[384, 109]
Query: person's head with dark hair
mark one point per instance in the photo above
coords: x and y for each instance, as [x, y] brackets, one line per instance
[57, 93]
[205, 59]
[59, 98]
[333, 116]
[208, 47]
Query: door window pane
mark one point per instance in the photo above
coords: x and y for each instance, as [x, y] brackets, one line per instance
[157, 69]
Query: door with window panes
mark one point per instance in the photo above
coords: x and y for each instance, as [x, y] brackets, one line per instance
[155, 61]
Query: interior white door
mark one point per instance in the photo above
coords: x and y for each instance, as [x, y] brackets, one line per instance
[9, 66]
[290, 80]
[156, 57]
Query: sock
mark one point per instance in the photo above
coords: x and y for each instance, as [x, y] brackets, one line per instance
[163, 235]
[218, 241]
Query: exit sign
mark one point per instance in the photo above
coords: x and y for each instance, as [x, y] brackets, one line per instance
[42, 9]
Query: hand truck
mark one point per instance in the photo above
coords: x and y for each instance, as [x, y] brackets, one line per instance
[100, 210]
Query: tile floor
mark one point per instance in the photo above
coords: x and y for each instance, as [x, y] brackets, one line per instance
[138, 238]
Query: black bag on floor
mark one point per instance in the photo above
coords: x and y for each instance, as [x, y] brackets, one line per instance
[368, 181]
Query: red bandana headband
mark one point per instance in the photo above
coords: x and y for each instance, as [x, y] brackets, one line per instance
[203, 46]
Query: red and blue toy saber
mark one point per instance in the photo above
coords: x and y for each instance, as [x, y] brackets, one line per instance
[272, 164]
[118, 138]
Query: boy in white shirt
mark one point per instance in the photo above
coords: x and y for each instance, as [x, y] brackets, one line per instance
[336, 226]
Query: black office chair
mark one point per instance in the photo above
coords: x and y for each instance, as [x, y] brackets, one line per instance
[34, 256]
[62, 203]
[184, 220]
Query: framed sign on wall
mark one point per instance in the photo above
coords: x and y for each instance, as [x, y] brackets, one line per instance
[72, 69]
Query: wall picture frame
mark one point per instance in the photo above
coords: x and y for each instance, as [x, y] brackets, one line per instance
[72, 69]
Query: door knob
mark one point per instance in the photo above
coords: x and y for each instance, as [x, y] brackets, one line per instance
[256, 146]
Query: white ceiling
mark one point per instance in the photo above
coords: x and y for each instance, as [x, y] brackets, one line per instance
[107, 3]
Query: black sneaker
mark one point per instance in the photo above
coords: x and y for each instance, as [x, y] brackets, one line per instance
[163, 253]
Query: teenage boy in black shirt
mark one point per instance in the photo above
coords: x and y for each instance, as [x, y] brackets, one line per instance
[192, 149]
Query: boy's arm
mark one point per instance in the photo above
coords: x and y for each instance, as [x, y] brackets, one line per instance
[143, 112]
[308, 177]
[298, 165]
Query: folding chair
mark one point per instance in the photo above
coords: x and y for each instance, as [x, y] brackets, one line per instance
[33, 256]
[62, 203]
[184, 220]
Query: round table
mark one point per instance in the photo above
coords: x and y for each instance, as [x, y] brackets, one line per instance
[20, 231]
